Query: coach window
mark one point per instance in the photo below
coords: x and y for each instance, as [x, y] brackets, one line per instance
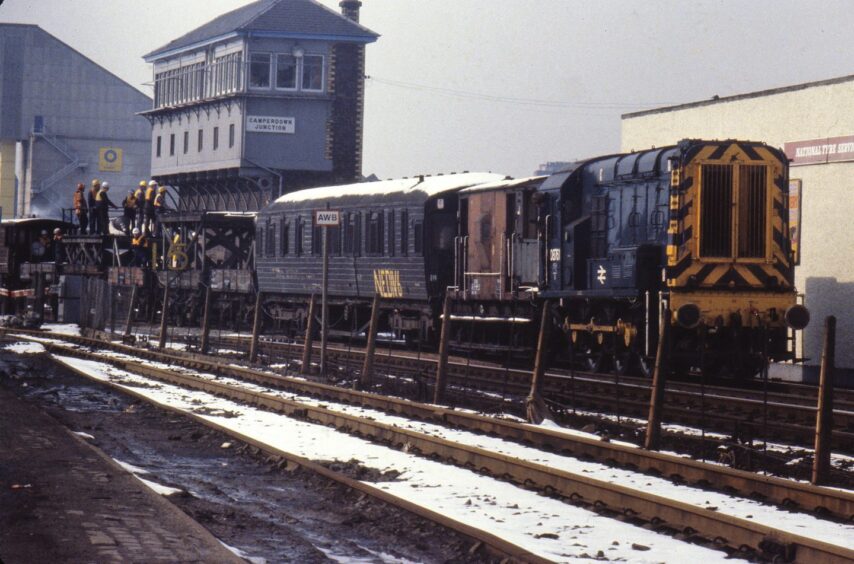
[374, 239]
[271, 238]
[404, 233]
[390, 233]
[316, 240]
[298, 242]
[357, 235]
[347, 225]
[418, 236]
[312, 73]
[259, 243]
[286, 72]
[284, 236]
[259, 70]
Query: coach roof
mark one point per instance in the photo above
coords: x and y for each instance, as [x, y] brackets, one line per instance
[419, 186]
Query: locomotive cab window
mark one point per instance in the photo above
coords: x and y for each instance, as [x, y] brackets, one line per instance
[285, 243]
[733, 211]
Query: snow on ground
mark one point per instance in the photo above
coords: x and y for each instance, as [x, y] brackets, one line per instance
[136, 471]
[24, 347]
[243, 555]
[518, 515]
[62, 328]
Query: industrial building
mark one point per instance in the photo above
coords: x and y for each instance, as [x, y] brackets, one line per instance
[262, 100]
[63, 119]
[810, 123]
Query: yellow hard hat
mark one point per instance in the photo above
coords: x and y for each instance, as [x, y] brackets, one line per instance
[161, 189]
[143, 183]
[96, 182]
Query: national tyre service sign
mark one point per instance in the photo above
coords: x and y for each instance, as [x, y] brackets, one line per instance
[271, 124]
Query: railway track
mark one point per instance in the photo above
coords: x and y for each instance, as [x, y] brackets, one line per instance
[745, 414]
[736, 534]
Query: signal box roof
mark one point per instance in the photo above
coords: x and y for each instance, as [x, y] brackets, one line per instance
[298, 19]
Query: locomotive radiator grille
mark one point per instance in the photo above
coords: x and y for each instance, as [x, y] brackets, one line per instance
[731, 226]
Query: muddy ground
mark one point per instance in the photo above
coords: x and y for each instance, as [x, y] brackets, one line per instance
[257, 505]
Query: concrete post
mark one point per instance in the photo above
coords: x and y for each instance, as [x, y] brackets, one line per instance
[536, 408]
[204, 340]
[164, 314]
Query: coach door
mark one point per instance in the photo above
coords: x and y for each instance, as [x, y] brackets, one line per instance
[486, 246]
[523, 242]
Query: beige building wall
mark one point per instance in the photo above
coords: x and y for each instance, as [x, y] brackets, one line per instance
[7, 179]
[814, 111]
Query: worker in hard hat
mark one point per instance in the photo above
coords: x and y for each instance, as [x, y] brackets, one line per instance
[102, 206]
[150, 193]
[58, 246]
[91, 201]
[139, 194]
[129, 208]
[160, 207]
[81, 209]
[139, 245]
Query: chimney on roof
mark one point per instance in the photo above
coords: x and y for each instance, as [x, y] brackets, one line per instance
[350, 9]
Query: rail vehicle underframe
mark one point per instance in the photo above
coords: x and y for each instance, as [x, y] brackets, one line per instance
[708, 332]
[409, 320]
[495, 326]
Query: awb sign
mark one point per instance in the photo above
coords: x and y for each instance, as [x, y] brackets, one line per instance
[327, 218]
[270, 124]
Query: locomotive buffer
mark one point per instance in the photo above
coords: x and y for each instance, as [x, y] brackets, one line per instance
[325, 218]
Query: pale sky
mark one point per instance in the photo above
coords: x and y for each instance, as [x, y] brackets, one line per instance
[504, 85]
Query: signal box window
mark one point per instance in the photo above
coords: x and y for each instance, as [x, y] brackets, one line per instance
[201, 140]
[159, 142]
[259, 70]
[312, 73]
[186, 141]
[286, 72]
[230, 136]
[216, 138]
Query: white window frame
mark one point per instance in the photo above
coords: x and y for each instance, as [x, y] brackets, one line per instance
[271, 69]
[322, 73]
[297, 72]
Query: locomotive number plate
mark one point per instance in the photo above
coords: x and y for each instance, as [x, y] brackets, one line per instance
[554, 255]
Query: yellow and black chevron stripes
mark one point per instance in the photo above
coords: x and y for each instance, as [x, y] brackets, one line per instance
[685, 265]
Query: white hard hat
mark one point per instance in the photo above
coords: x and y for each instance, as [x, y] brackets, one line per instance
[105, 185]
[57, 230]
[153, 183]
[136, 231]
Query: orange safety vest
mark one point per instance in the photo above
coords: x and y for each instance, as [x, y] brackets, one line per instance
[158, 201]
[140, 241]
[149, 193]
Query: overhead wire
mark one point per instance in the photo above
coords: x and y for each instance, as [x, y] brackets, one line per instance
[537, 102]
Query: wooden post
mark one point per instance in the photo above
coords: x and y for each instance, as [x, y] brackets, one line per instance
[309, 336]
[824, 413]
[445, 336]
[38, 301]
[368, 367]
[656, 396]
[204, 341]
[129, 321]
[536, 408]
[256, 326]
[164, 313]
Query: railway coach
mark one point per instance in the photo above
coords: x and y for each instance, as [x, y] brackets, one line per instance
[396, 239]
